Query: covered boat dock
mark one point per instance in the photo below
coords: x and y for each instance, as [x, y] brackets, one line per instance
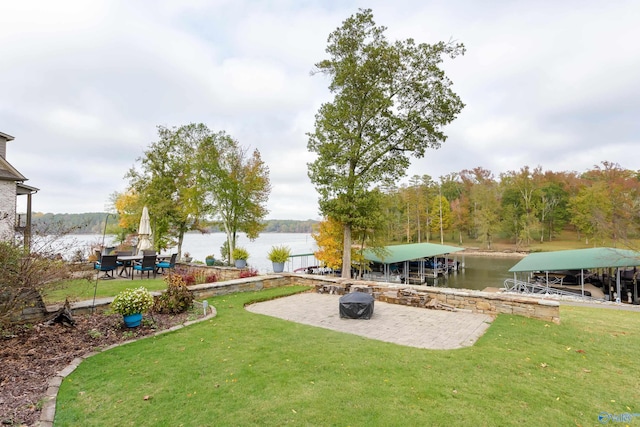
[552, 265]
[412, 262]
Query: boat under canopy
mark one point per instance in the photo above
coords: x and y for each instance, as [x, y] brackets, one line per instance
[580, 259]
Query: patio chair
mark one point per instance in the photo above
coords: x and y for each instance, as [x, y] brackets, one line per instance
[107, 263]
[162, 265]
[147, 264]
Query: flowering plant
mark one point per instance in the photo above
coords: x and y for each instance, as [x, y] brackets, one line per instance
[132, 301]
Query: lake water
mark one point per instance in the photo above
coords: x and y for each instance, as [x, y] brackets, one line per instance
[200, 245]
[479, 272]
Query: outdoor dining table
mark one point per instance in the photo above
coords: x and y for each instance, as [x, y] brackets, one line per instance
[128, 260]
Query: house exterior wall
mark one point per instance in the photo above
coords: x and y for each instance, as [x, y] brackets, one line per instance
[7, 209]
[3, 146]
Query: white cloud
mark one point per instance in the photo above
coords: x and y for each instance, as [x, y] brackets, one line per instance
[73, 122]
[86, 83]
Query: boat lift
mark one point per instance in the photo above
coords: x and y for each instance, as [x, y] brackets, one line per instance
[535, 289]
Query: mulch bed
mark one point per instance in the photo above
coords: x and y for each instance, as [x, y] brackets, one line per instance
[30, 357]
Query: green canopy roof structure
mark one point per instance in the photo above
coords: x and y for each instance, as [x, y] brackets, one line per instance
[410, 251]
[578, 259]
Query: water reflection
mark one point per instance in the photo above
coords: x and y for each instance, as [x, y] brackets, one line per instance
[480, 272]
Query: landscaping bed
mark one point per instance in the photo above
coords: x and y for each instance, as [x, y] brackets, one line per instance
[30, 356]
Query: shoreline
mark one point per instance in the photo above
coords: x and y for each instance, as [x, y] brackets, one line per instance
[492, 253]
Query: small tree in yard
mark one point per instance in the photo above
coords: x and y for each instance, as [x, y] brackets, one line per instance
[236, 187]
[329, 242]
[391, 102]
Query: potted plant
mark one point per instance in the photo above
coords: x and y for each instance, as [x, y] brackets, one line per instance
[131, 303]
[187, 257]
[210, 259]
[278, 255]
[240, 255]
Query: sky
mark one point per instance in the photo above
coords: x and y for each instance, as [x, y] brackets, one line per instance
[85, 84]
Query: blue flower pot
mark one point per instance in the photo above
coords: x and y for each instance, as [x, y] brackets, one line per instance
[241, 263]
[133, 320]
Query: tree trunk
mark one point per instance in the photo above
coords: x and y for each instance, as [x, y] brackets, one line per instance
[346, 252]
[231, 243]
[180, 242]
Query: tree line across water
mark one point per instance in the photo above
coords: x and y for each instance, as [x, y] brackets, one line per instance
[524, 207]
[517, 209]
[94, 223]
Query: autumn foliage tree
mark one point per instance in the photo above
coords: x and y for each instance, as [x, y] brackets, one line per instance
[128, 207]
[525, 206]
[328, 238]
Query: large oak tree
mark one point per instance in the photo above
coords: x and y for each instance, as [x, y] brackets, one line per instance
[391, 101]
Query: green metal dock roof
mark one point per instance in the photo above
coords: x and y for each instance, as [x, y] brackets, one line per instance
[410, 251]
[578, 259]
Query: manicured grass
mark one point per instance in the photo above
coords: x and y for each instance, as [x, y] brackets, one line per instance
[242, 368]
[81, 289]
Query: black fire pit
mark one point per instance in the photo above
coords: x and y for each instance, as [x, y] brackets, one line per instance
[356, 305]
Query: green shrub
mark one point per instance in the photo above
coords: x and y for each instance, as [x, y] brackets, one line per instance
[240, 253]
[279, 253]
[176, 299]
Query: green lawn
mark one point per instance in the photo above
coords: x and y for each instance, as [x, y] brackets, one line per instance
[242, 368]
[82, 290]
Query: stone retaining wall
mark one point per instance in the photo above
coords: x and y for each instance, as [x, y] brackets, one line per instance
[247, 284]
[223, 273]
[461, 299]
[33, 307]
[489, 303]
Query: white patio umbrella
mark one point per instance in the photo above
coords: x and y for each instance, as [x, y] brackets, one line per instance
[144, 231]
